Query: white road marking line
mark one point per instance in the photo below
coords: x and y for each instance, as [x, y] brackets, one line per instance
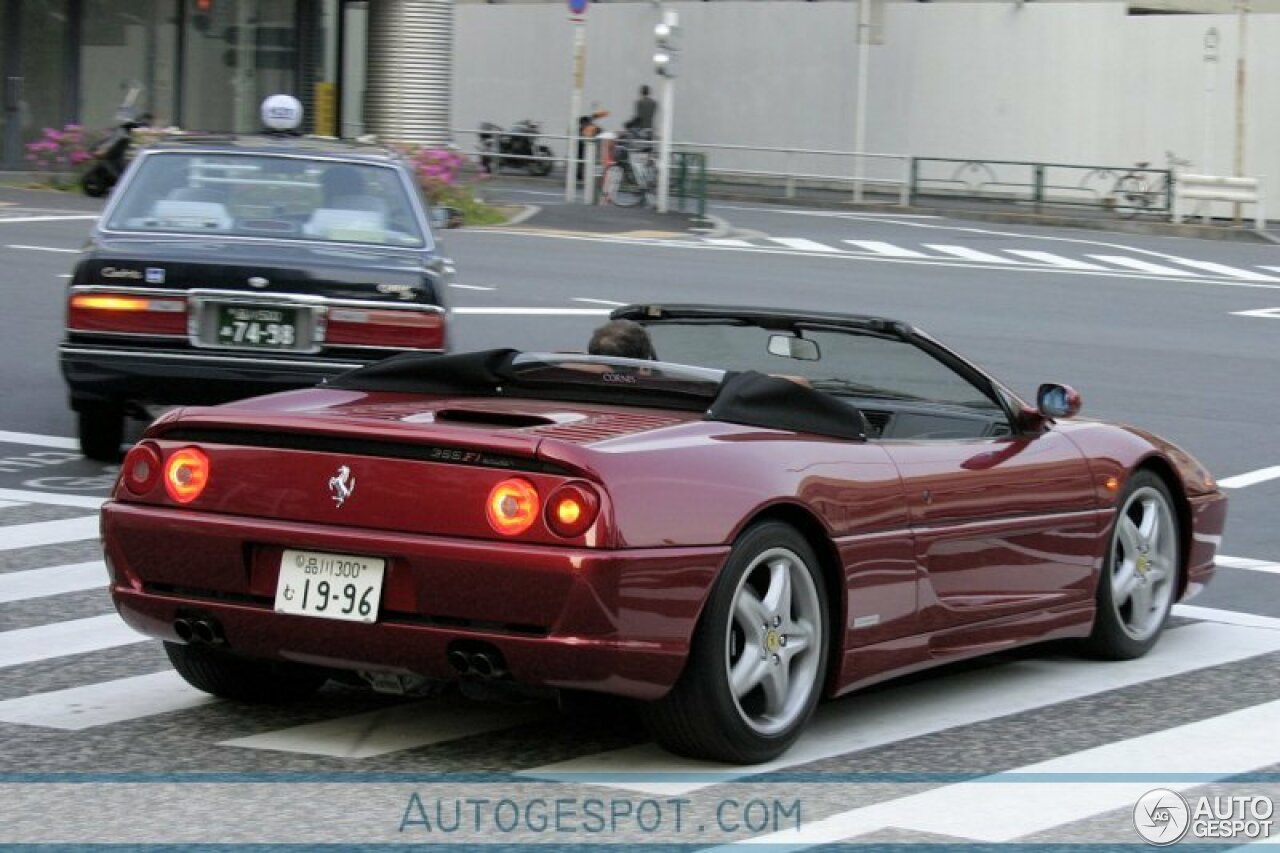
[104, 702]
[61, 218]
[729, 241]
[64, 275]
[1251, 478]
[533, 312]
[970, 254]
[43, 248]
[1226, 617]
[1247, 564]
[803, 245]
[1268, 313]
[37, 440]
[53, 580]
[51, 499]
[59, 639]
[391, 729]
[931, 705]
[992, 811]
[598, 301]
[471, 286]
[1174, 276]
[1224, 270]
[1139, 265]
[888, 250]
[48, 532]
[7, 504]
[1054, 260]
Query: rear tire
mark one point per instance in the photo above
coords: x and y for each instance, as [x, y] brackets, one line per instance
[95, 182]
[101, 431]
[758, 659]
[229, 676]
[621, 188]
[540, 168]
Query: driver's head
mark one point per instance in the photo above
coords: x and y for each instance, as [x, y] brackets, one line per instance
[341, 180]
[621, 338]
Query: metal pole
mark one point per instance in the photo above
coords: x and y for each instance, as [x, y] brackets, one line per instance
[860, 111]
[575, 107]
[664, 148]
[1242, 15]
[1210, 80]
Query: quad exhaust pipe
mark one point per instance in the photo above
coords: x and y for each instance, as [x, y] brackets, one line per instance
[483, 663]
[199, 630]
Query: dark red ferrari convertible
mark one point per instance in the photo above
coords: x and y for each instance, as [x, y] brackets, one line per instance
[781, 506]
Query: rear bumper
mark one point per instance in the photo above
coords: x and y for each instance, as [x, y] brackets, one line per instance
[616, 622]
[104, 373]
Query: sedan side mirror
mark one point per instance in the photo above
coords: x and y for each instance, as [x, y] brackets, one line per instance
[1058, 401]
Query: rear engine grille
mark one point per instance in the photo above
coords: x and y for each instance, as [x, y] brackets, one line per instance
[601, 427]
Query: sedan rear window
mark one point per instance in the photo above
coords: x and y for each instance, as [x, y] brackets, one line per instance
[262, 195]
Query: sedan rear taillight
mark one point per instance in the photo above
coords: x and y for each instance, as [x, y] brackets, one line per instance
[378, 327]
[127, 313]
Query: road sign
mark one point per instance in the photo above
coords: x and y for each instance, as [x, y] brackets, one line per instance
[577, 7]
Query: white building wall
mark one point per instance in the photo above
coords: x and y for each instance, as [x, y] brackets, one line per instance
[1058, 82]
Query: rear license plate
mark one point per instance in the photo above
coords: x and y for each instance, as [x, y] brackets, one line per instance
[256, 327]
[331, 586]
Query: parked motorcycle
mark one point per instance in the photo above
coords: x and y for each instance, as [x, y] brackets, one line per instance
[111, 156]
[517, 148]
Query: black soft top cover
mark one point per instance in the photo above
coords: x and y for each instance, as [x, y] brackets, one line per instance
[746, 397]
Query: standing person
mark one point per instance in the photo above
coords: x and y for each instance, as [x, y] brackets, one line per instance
[646, 108]
[588, 128]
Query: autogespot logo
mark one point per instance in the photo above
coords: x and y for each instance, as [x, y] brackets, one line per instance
[1162, 817]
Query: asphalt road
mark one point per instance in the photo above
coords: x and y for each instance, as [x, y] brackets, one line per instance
[1148, 329]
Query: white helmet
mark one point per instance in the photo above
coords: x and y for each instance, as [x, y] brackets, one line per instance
[282, 112]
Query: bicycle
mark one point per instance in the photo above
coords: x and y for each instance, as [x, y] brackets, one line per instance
[1143, 189]
[631, 178]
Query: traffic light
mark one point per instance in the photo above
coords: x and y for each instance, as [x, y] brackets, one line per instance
[666, 36]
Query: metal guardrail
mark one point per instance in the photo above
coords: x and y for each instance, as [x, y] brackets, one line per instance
[1127, 189]
[1220, 188]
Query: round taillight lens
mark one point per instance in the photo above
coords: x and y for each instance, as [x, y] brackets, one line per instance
[186, 474]
[141, 469]
[572, 509]
[512, 506]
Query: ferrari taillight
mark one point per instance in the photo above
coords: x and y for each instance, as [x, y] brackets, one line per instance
[141, 469]
[186, 473]
[402, 328]
[572, 509]
[126, 312]
[512, 506]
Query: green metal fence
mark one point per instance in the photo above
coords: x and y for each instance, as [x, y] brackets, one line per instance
[688, 182]
[1126, 189]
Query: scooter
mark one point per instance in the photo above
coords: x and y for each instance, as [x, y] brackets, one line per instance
[517, 148]
[110, 157]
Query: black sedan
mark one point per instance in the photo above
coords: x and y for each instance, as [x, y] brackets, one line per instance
[229, 266]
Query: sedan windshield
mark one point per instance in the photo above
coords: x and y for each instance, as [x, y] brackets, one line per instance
[261, 195]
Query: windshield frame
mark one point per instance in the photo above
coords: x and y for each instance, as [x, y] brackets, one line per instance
[413, 197]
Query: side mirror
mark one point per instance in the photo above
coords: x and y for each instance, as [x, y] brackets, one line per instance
[445, 217]
[790, 346]
[1058, 401]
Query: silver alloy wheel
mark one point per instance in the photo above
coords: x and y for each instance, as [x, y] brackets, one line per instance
[1144, 563]
[773, 642]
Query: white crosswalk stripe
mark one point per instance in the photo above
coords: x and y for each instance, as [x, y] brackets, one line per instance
[104, 702]
[60, 639]
[804, 245]
[1224, 270]
[48, 532]
[1140, 265]
[1054, 260]
[970, 254]
[888, 250]
[54, 580]
[729, 242]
